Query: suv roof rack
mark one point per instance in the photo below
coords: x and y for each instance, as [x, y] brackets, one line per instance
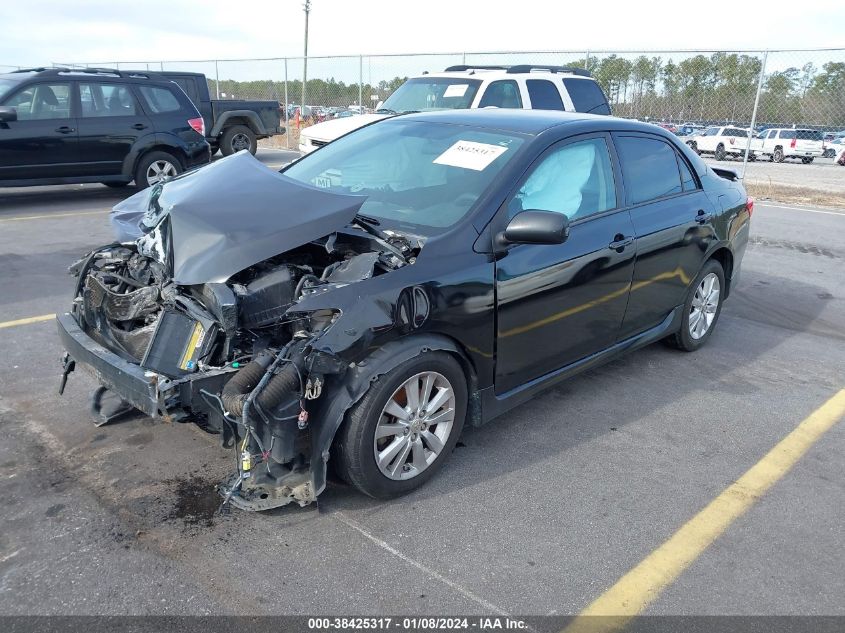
[463, 67]
[91, 71]
[521, 68]
[527, 68]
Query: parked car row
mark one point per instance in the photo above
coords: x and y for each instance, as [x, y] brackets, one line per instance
[776, 144]
[61, 125]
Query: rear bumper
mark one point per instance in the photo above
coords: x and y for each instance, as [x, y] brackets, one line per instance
[133, 384]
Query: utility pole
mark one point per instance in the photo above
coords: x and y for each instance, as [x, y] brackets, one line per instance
[307, 7]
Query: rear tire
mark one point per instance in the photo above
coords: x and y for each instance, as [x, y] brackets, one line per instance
[154, 167]
[701, 309]
[428, 444]
[236, 139]
[720, 152]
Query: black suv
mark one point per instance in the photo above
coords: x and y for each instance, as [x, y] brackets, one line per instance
[59, 126]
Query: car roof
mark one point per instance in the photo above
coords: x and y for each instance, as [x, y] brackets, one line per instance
[531, 122]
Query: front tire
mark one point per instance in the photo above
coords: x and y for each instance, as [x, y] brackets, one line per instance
[154, 167]
[778, 155]
[238, 138]
[404, 428]
[701, 309]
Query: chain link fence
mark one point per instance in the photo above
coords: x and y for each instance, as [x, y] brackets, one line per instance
[790, 88]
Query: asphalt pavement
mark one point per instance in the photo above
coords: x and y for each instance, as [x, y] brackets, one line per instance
[539, 512]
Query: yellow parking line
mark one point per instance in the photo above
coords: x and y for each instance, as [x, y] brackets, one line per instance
[27, 321]
[51, 215]
[644, 583]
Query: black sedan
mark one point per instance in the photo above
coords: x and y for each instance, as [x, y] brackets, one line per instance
[418, 274]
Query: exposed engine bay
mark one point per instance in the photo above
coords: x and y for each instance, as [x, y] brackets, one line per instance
[237, 356]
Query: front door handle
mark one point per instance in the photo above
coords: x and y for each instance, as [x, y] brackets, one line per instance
[702, 217]
[139, 126]
[620, 242]
[65, 129]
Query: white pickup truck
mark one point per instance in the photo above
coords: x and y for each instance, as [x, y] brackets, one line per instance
[782, 143]
[720, 141]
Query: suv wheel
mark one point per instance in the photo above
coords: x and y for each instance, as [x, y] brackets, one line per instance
[807, 160]
[237, 138]
[720, 152]
[701, 309]
[155, 167]
[778, 155]
[403, 429]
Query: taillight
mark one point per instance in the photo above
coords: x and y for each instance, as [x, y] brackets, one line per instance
[749, 205]
[198, 125]
[792, 142]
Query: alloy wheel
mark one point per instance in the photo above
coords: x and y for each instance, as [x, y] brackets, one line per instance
[240, 142]
[414, 426]
[704, 305]
[159, 170]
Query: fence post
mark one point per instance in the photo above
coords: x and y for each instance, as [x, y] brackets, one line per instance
[287, 122]
[361, 82]
[754, 113]
[587, 61]
[217, 78]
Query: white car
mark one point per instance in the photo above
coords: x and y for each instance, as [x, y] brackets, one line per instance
[721, 141]
[782, 143]
[458, 87]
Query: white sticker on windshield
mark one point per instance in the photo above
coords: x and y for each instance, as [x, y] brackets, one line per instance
[470, 155]
[456, 90]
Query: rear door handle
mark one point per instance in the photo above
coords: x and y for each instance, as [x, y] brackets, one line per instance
[65, 129]
[139, 126]
[620, 241]
[703, 218]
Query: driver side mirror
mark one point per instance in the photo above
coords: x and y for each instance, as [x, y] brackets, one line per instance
[8, 114]
[535, 227]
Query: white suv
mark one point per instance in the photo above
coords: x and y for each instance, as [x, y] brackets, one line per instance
[524, 86]
[721, 141]
[782, 143]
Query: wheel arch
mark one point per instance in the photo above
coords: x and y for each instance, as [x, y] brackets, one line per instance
[725, 257]
[176, 152]
[247, 118]
[338, 398]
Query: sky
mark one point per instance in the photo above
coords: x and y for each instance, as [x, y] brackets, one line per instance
[39, 32]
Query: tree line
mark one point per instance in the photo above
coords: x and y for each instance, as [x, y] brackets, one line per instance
[708, 88]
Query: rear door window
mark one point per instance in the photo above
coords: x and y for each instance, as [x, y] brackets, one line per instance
[649, 167]
[586, 95]
[733, 131]
[787, 134]
[687, 179]
[501, 94]
[104, 100]
[544, 95]
[160, 100]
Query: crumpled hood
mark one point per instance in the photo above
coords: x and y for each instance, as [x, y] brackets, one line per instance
[230, 215]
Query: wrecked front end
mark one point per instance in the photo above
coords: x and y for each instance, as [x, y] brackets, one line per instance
[234, 352]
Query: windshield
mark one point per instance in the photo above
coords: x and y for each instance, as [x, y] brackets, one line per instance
[434, 93]
[418, 176]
